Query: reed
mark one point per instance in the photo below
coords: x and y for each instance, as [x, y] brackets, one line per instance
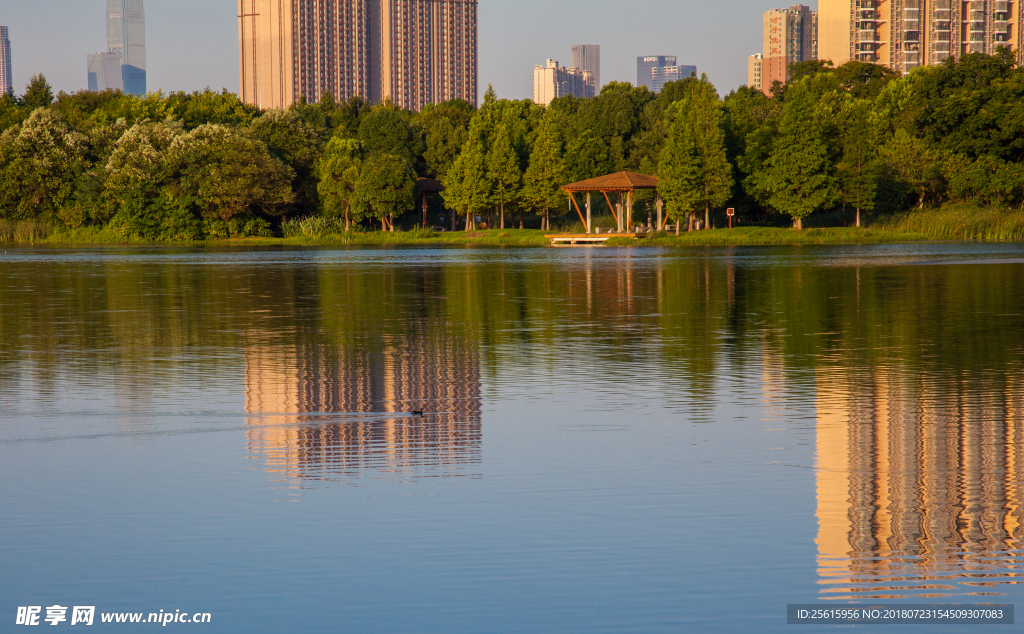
[958, 222]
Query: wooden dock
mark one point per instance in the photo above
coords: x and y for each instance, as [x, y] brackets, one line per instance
[586, 239]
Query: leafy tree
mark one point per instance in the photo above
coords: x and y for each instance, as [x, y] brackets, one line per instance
[503, 169]
[225, 173]
[444, 142]
[295, 143]
[798, 176]
[338, 172]
[913, 162]
[546, 172]
[386, 187]
[694, 171]
[389, 130]
[38, 94]
[809, 68]
[468, 187]
[859, 166]
[39, 162]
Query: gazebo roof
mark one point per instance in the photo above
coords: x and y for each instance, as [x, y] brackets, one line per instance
[622, 181]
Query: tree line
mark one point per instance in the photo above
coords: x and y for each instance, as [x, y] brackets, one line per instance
[858, 138]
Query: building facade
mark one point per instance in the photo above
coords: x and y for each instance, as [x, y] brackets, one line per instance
[907, 34]
[105, 72]
[6, 72]
[665, 74]
[790, 36]
[126, 37]
[410, 52]
[654, 71]
[588, 57]
[552, 81]
[754, 69]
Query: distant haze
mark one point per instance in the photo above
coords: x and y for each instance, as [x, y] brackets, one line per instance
[192, 44]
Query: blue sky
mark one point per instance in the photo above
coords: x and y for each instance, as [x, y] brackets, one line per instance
[193, 43]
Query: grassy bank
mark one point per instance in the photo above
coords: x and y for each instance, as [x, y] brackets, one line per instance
[953, 222]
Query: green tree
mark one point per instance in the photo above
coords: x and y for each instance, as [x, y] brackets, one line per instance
[858, 169]
[798, 176]
[386, 187]
[468, 187]
[694, 171]
[295, 143]
[39, 163]
[546, 172]
[338, 172]
[38, 94]
[387, 129]
[503, 169]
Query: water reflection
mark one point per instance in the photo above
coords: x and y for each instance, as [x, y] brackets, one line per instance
[919, 484]
[324, 412]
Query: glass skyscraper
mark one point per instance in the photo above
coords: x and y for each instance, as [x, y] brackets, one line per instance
[6, 74]
[654, 71]
[126, 36]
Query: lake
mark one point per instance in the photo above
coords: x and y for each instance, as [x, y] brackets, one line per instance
[611, 440]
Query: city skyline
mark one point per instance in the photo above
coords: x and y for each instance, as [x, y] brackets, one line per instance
[511, 43]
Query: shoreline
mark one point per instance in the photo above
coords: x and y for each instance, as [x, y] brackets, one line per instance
[745, 236]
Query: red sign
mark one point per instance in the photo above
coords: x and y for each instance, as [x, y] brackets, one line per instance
[730, 212]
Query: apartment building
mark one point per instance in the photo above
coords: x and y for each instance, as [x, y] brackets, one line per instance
[906, 34]
[6, 72]
[410, 52]
[790, 36]
[552, 81]
[755, 64]
[105, 72]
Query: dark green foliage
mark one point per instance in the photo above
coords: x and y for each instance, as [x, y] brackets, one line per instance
[188, 166]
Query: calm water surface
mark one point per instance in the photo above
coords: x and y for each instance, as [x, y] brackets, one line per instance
[611, 440]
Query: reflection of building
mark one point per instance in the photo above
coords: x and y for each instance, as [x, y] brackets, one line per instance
[915, 484]
[319, 412]
[411, 52]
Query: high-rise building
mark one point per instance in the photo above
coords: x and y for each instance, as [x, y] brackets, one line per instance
[105, 72]
[410, 52]
[755, 64]
[588, 57]
[654, 71]
[6, 73]
[665, 74]
[126, 37]
[552, 81]
[790, 36]
[906, 34]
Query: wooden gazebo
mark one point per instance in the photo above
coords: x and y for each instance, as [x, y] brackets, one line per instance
[622, 184]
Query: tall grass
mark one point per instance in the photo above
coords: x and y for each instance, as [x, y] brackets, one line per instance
[23, 232]
[958, 222]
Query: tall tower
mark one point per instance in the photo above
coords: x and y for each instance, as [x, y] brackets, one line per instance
[906, 34]
[6, 74]
[126, 36]
[588, 57]
[411, 52]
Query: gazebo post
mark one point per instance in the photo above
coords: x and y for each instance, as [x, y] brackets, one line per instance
[629, 211]
[618, 205]
[589, 226]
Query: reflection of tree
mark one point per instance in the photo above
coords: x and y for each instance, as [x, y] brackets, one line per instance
[918, 482]
[319, 411]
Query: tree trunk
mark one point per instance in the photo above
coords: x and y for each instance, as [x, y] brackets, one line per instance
[858, 216]
[520, 218]
[799, 224]
[691, 220]
[503, 214]
[707, 218]
[348, 205]
[678, 222]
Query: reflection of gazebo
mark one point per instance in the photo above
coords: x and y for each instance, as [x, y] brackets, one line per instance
[424, 188]
[622, 184]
